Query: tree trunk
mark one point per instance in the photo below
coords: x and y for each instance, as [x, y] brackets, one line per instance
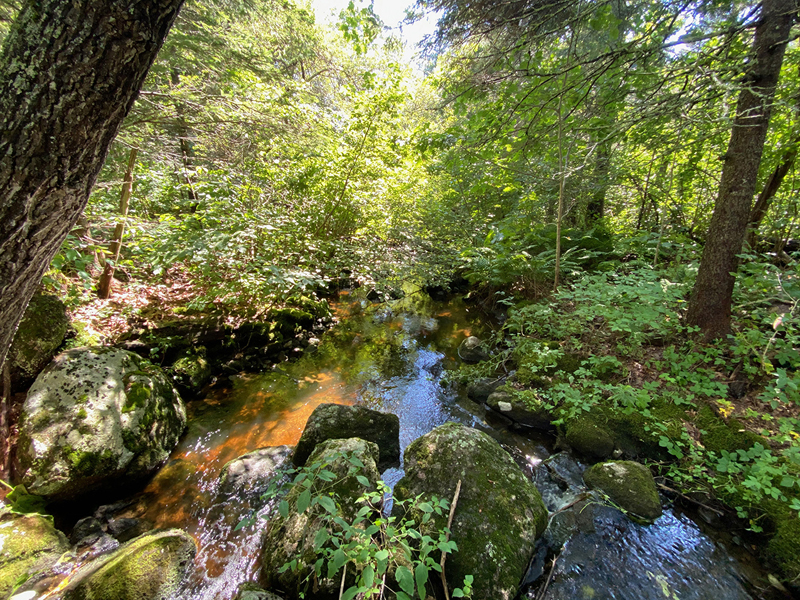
[602, 166]
[710, 304]
[114, 248]
[69, 73]
[768, 193]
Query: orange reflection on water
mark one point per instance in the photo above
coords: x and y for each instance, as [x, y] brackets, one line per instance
[185, 486]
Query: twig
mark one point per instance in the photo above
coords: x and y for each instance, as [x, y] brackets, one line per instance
[447, 537]
[542, 592]
[341, 586]
[692, 500]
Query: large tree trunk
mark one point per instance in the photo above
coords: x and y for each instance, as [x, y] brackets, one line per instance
[69, 73]
[710, 304]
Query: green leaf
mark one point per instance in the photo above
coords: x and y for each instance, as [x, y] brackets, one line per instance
[321, 537]
[405, 580]
[303, 501]
[350, 593]
[283, 508]
[421, 575]
[327, 503]
[339, 558]
[457, 593]
[368, 575]
[363, 480]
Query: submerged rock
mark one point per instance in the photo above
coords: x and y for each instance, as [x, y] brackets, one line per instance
[471, 350]
[337, 421]
[628, 484]
[499, 513]
[480, 390]
[28, 545]
[41, 331]
[292, 537]
[93, 418]
[150, 567]
[250, 475]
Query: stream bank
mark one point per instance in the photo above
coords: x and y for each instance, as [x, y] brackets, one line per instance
[395, 358]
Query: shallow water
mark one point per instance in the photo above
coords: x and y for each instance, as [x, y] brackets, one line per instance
[393, 359]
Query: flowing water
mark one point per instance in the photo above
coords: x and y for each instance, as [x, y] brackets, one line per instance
[394, 359]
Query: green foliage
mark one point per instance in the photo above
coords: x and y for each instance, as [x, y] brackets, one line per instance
[20, 502]
[379, 549]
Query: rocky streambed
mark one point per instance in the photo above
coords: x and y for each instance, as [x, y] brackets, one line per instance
[527, 521]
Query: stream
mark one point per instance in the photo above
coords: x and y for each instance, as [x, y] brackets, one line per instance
[395, 358]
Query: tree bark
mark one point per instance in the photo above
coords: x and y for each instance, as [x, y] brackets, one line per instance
[710, 304]
[69, 73]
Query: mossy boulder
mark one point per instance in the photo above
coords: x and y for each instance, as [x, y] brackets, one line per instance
[191, 372]
[28, 545]
[150, 567]
[589, 439]
[337, 421]
[94, 418]
[784, 548]
[292, 537]
[250, 475]
[499, 515]
[41, 331]
[523, 408]
[630, 485]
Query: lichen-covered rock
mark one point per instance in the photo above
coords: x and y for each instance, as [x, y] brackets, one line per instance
[499, 515]
[28, 545]
[521, 411]
[150, 567]
[250, 475]
[292, 537]
[471, 350]
[630, 485]
[40, 333]
[94, 417]
[337, 421]
[589, 439]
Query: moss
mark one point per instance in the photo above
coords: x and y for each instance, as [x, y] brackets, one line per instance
[589, 438]
[28, 544]
[81, 413]
[137, 394]
[569, 362]
[151, 566]
[784, 547]
[629, 485]
[718, 435]
[90, 463]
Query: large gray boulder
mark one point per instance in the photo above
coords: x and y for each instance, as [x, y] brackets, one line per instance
[28, 545]
[150, 567]
[499, 514]
[41, 331]
[292, 537]
[337, 421]
[94, 417]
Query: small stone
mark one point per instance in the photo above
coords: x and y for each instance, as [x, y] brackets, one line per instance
[505, 406]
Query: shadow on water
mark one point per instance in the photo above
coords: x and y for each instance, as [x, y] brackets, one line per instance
[391, 358]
